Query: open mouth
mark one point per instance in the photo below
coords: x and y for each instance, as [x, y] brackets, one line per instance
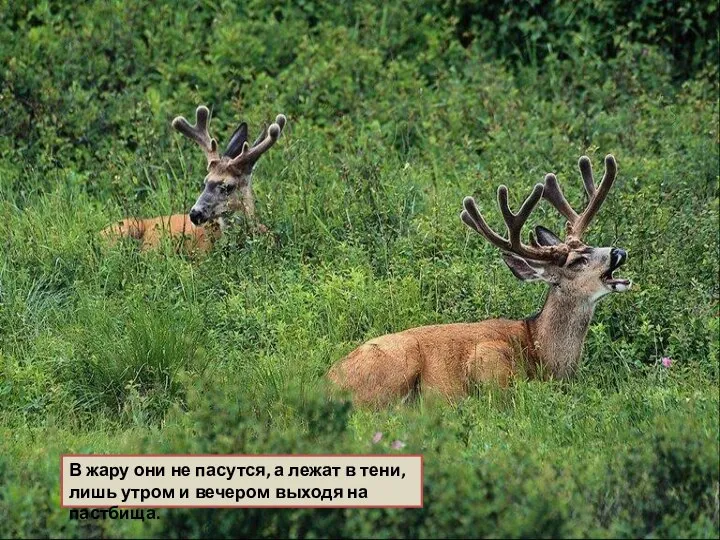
[608, 278]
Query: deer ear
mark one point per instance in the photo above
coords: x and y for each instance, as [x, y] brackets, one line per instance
[545, 237]
[525, 270]
[236, 141]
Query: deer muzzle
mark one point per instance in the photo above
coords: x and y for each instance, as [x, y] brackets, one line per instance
[197, 216]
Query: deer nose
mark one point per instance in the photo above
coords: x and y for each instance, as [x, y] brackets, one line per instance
[617, 257]
[196, 216]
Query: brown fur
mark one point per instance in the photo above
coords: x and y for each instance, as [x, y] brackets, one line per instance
[449, 359]
[151, 231]
[446, 359]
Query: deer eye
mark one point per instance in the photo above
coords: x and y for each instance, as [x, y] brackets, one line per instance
[578, 263]
[227, 188]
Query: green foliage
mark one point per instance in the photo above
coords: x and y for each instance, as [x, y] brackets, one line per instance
[509, 491]
[592, 30]
[396, 111]
[650, 476]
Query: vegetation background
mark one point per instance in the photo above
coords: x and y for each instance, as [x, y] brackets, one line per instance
[397, 109]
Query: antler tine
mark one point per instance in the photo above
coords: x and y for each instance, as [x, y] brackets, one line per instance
[472, 217]
[249, 155]
[598, 196]
[578, 223]
[554, 195]
[587, 175]
[514, 222]
[280, 120]
[199, 132]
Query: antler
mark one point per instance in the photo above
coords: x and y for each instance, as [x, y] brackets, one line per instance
[249, 155]
[199, 133]
[578, 224]
[514, 222]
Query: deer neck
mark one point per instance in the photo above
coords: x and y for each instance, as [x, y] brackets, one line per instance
[243, 203]
[558, 331]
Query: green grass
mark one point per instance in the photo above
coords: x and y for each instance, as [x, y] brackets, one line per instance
[391, 123]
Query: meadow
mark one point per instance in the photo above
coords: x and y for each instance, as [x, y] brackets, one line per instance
[396, 111]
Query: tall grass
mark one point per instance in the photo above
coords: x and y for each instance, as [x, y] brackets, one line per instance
[396, 112]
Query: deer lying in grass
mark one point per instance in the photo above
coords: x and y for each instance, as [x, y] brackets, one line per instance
[450, 358]
[228, 189]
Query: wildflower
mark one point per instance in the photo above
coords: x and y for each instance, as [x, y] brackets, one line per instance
[397, 445]
[377, 437]
[666, 361]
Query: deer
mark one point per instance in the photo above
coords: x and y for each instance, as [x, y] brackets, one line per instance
[452, 359]
[227, 189]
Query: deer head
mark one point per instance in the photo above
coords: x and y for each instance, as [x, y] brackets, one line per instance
[570, 266]
[230, 172]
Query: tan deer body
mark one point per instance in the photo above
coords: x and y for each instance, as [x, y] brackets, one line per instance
[151, 231]
[449, 359]
[446, 358]
[228, 189]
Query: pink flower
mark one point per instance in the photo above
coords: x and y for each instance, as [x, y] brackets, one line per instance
[666, 361]
[377, 437]
[397, 445]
